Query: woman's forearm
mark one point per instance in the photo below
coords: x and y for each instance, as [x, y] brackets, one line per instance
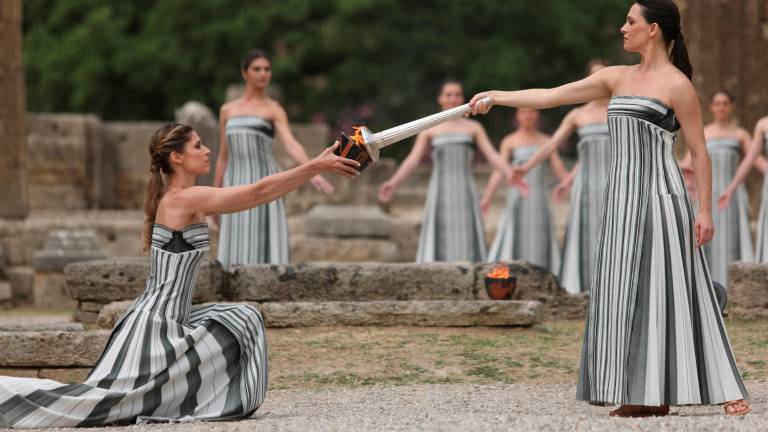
[702, 168]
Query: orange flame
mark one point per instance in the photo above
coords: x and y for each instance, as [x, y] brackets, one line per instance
[357, 137]
[499, 272]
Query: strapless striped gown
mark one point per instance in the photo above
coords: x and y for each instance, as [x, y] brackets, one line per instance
[452, 228]
[258, 235]
[733, 240]
[587, 198]
[525, 229]
[165, 360]
[654, 333]
[761, 254]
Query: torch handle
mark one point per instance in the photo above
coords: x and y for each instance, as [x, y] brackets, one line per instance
[398, 133]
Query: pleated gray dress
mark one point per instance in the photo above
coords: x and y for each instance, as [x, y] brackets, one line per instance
[587, 198]
[258, 235]
[452, 228]
[733, 240]
[761, 254]
[525, 229]
[165, 359]
[654, 333]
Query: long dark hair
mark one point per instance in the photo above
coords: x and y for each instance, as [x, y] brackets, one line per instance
[166, 140]
[667, 16]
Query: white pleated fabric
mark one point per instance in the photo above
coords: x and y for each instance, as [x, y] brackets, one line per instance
[761, 253]
[525, 229]
[654, 333]
[733, 240]
[452, 228]
[586, 210]
[165, 359]
[258, 235]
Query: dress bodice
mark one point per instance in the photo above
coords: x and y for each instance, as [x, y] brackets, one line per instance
[724, 144]
[644, 108]
[251, 123]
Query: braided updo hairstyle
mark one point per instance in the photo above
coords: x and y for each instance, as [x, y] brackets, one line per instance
[166, 140]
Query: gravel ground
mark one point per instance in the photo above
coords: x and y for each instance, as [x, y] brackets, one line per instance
[461, 407]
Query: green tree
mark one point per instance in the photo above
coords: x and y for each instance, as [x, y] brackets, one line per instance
[377, 61]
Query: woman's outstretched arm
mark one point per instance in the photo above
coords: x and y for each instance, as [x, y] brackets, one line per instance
[599, 85]
[201, 199]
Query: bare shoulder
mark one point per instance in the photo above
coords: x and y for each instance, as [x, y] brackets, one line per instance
[762, 124]
[611, 75]
[681, 91]
[509, 141]
[474, 125]
[227, 108]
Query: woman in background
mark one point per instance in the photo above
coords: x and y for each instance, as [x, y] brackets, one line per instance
[452, 228]
[525, 230]
[247, 126]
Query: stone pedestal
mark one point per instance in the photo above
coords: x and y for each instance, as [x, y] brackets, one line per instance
[13, 182]
[61, 248]
[748, 290]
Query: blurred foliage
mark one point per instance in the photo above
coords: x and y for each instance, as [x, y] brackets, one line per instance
[342, 61]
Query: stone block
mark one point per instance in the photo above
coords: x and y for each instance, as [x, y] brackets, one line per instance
[51, 349]
[85, 317]
[320, 281]
[22, 281]
[6, 294]
[440, 313]
[51, 292]
[65, 375]
[41, 327]
[341, 221]
[65, 247]
[90, 306]
[112, 312]
[304, 249]
[19, 372]
[116, 279]
[748, 290]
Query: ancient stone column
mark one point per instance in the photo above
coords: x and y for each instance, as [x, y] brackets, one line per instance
[728, 44]
[13, 193]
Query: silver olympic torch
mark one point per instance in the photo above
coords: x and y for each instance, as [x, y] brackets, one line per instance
[364, 145]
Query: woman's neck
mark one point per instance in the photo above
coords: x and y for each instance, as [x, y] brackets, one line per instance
[182, 180]
[254, 93]
[653, 57]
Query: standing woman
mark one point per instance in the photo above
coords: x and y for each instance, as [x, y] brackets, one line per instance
[525, 229]
[654, 333]
[760, 144]
[167, 360]
[247, 126]
[452, 228]
[726, 143]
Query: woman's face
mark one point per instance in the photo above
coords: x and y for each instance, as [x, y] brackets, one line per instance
[196, 158]
[259, 73]
[451, 96]
[527, 118]
[636, 30]
[721, 107]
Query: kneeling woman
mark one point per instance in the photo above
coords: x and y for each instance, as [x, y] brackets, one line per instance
[167, 360]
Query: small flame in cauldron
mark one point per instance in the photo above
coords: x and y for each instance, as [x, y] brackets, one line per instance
[499, 272]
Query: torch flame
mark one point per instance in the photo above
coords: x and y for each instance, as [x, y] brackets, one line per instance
[499, 272]
[357, 137]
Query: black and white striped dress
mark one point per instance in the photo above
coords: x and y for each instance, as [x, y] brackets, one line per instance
[587, 198]
[452, 228]
[733, 240]
[258, 235]
[525, 230]
[165, 359]
[654, 333]
[761, 253]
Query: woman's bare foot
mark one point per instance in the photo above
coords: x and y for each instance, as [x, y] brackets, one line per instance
[640, 411]
[737, 408]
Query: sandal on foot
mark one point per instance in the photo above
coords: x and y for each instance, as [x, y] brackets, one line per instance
[640, 411]
[737, 408]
